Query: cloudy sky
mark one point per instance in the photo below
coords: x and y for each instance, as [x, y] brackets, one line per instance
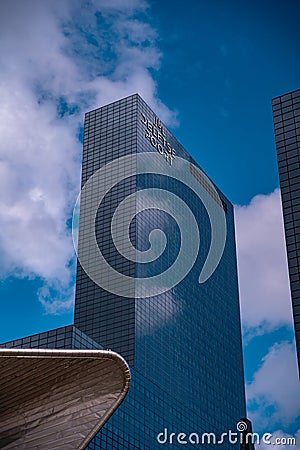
[209, 70]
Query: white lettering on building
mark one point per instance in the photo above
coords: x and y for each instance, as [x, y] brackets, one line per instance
[156, 135]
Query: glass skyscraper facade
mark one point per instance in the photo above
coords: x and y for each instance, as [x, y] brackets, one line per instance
[157, 282]
[286, 113]
[181, 337]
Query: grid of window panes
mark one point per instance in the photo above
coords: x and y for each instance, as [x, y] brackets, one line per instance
[188, 370]
[286, 113]
[109, 134]
[68, 337]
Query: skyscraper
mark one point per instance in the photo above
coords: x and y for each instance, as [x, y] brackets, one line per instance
[157, 279]
[157, 282]
[286, 113]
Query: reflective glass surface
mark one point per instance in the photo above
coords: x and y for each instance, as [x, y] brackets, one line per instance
[286, 113]
[184, 344]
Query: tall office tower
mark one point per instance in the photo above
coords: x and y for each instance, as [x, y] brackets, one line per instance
[286, 112]
[157, 281]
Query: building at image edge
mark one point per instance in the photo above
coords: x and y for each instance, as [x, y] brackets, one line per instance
[286, 115]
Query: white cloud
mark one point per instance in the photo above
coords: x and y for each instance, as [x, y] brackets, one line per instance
[55, 53]
[262, 264]
[274, 394]
[281, 440]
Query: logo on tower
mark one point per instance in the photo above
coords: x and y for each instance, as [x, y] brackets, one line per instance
[155, 133]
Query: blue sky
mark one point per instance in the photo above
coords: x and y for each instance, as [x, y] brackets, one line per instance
[209, 70]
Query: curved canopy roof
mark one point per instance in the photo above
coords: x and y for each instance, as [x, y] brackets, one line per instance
[58, 399]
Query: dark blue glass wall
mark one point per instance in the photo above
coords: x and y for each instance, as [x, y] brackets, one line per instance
[286, 112]
[109, 133]
[67, 337]
[184, 345]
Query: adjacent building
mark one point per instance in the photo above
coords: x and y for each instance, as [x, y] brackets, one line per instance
[156, 282]
[286, 113]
